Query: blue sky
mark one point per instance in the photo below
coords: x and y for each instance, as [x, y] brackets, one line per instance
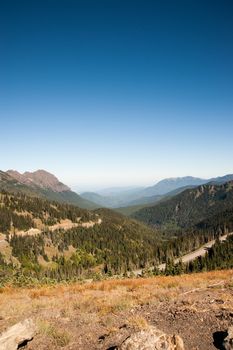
[117, 92]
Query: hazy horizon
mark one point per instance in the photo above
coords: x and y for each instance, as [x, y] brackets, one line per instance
[92, 186]
[95, 187]
[115, 93]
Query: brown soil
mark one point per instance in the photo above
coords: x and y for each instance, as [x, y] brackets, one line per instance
[101, 315]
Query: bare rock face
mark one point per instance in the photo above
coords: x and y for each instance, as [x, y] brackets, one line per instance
[17, 176]
[17, 335]
[228, 341]
[40, 178]
[152, 339]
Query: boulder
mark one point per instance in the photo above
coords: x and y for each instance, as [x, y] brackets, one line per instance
[17, 335]
[152, 339]
[228, 341]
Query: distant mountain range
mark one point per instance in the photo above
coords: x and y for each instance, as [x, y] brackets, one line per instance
[149, 195]
[42, 184]
[171, 184]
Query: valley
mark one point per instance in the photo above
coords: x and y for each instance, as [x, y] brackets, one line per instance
[52, 241]
[60, 241]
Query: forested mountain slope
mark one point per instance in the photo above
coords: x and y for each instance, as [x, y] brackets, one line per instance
[149, 201]
[189, 207]
[62, 241]
[44, 240]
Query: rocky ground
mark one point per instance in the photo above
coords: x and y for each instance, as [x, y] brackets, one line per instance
[102, 315]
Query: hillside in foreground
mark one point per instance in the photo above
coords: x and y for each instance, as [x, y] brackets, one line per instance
[101, 315]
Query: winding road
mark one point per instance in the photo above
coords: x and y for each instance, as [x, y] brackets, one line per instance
[190, 256]
[185, 258]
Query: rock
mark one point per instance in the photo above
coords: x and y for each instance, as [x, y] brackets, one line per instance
[228, 341]
[17, 335]
[152, 339]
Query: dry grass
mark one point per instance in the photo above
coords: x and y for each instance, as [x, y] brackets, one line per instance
[138, 322]
[60, 337]
[62, 309]
[153, 284]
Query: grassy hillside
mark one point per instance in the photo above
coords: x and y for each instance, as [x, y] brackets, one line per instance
[101, 315]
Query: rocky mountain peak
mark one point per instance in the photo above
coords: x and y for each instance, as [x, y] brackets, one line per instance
[40, 178]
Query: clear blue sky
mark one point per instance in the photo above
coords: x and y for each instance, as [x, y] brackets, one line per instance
[117, 92]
